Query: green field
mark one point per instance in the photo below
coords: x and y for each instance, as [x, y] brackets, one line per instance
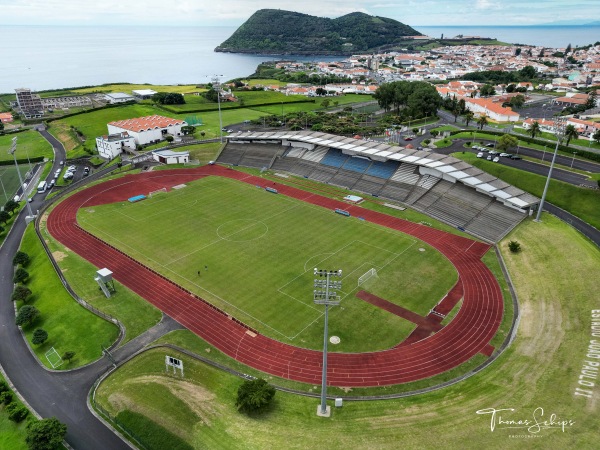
[540, 369]
[250, 266]
[29, 144]
[10, 180]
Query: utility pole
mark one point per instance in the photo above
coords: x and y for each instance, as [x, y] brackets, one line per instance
[559, 132]
[217, 87]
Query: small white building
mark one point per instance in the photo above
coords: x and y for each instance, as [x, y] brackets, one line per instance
[118, 97]
[111, 146]
[148, 130]
[170, 157]
[143, 94]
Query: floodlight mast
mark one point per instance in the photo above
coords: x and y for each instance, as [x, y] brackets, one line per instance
[12, 150]
[323, 296]
[217, 82]
[559, 131]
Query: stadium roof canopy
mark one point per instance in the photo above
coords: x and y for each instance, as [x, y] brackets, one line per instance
[442, 166]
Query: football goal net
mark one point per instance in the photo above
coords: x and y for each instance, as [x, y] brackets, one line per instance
[158, 191]
[371, 273]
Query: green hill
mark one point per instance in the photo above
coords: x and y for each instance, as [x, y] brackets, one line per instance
[273, 31]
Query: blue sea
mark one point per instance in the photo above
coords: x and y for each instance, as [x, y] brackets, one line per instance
[48, 57]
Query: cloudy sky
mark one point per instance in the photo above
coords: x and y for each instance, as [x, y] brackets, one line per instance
[235, 12]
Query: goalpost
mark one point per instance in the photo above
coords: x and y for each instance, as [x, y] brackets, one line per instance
[158, 191]
[367, 276]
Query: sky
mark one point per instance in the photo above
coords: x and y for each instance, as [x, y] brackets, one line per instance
[235, 12]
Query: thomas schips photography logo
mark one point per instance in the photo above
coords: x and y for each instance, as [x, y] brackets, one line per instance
[526, 424]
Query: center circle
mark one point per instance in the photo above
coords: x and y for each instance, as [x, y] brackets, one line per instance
[242, 230]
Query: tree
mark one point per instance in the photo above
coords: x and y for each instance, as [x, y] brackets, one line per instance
[507, 141]
[188, 129]
[325, 103]
[434, 133]
[517, 101]
[20, 275]
[511, 88]
[26, 315]
[514, 247]
[487, 90]
[45, 434]
[535, 129]
[4, 217]
[1, 126]
[528, 72]
[570, 133]
[482, 122]
[21, 258]
[596, 136]
[21, 293]
[456, 113]
[468, 117]
[254, 395]
[11, 206]
[1, 229]
[39, 336]
[320, 91]
[169, 138]
[589, 103]
[68, 356]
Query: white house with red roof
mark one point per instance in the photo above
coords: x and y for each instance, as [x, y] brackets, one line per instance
[494, 111]
[148, 130]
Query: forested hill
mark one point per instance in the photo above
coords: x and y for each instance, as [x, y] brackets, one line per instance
[273, 31]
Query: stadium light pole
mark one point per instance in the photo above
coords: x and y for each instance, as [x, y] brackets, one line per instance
[325, 294]
[217, 82]
[559, 131]
[12, 150]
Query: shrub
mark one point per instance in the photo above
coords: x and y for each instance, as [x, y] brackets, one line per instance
[45, 434]
[6, 398]
[514, 246]
[21, 293]
[39, 336]
[16, 413]
[4, 387]
[20, 275]
[26, 315]
[254, 395]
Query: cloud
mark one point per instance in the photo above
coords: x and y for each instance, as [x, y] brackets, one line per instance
[486, 4]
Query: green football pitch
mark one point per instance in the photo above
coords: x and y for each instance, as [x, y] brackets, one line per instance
[252, 254]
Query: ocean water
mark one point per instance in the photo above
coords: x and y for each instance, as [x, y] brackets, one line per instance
[49, 57]
[546, 35]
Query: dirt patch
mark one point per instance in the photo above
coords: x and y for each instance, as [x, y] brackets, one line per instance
[59, 256]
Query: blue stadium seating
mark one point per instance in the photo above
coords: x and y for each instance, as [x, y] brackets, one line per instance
[334, 158]
[357, 164]
[383, 169]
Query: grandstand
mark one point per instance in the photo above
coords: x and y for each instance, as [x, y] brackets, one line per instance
[441, 186]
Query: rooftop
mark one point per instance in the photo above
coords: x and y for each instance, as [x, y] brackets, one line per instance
[146, 123]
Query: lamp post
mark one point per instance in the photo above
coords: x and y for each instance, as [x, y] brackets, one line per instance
[12, 150]
[325, 294]
[559, 131]
[217, 82]
[573, 160]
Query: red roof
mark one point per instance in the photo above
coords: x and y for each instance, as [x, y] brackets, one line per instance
[146, 123]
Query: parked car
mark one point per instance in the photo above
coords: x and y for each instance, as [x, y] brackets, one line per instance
[480, 155]
[57, 173]
[496, 159]
[494, 152]
[489, 158]
[73, 168]
[51, 184]
[408, 138]
[490, 145]
[515, 157]
[505, 155]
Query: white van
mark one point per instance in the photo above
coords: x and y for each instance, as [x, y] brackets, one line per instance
[41, 187]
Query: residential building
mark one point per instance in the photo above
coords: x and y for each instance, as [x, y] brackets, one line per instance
[118, 97]
[143, 94]
[29, 103]
[6, 117]
[148, 130]
[113, 145]
[494, 111]
[170, 157]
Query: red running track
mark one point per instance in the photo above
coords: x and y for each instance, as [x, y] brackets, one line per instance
[468, 334]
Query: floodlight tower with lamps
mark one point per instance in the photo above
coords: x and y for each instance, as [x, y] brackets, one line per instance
[12, 150]
[216, 81]
[559, 132]
[325, 294]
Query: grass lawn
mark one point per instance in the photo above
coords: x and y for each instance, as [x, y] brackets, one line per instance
[70, 327]
[128, 88]
[94, 124]
[135, 314]
[10, 180]
[12, 435]
[540, 369]
[29, 143]
[259, 232]
[581, 202]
